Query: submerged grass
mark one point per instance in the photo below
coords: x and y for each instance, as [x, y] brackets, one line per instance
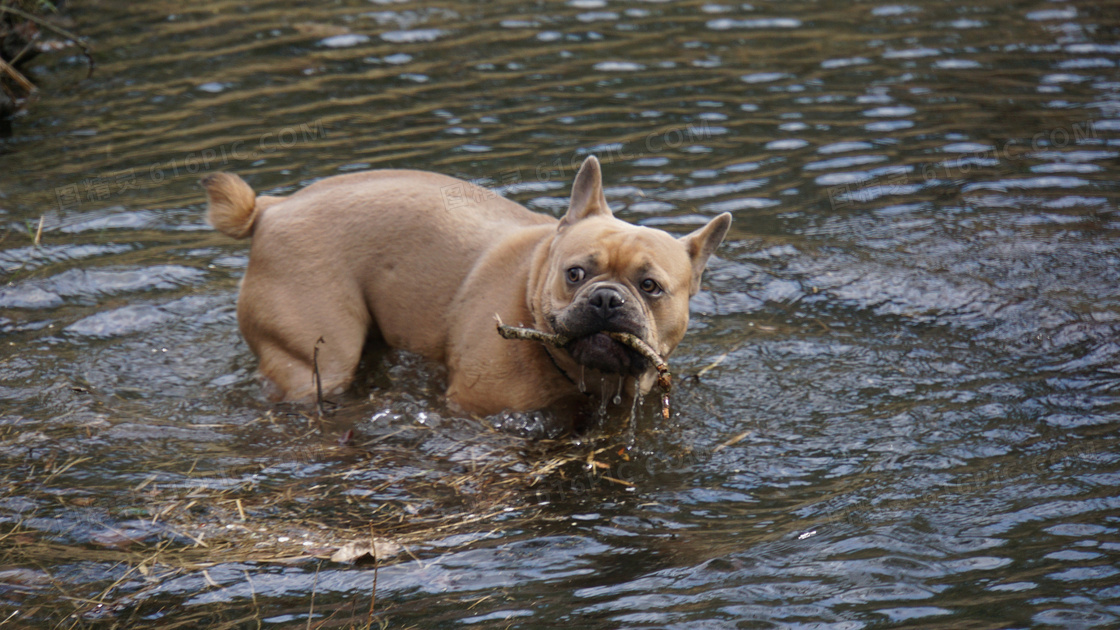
[183, 520]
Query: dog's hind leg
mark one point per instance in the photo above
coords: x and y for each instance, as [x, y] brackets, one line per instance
[285, 330]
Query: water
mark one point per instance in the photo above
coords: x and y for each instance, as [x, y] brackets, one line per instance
[897, 404]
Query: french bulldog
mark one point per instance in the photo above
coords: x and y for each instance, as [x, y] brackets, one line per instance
[425, 261]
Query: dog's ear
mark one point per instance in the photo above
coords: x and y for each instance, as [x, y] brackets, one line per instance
[587, 194]
[701, 243]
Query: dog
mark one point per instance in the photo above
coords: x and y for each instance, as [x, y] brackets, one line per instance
[425, 261]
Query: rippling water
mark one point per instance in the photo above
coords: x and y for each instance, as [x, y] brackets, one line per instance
[901, 403]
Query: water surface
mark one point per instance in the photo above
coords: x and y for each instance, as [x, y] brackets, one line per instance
[898, 402]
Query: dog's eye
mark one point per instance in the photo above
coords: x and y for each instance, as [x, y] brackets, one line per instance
[575, 274]
[650, 286]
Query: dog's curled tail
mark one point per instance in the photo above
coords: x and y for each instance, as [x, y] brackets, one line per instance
[234, 206]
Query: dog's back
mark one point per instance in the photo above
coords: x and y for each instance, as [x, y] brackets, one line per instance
[380, 250]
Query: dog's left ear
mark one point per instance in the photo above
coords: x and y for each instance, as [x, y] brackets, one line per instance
[701, 243]
[587, 194]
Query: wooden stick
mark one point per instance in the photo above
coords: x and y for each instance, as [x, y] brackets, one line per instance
[27, 86]
[373, 592]
[528, 334]
[664, 378]
[317, 379]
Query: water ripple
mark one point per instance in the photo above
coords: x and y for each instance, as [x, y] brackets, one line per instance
[895, 402]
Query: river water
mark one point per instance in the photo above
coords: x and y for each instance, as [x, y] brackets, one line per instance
[898, 398]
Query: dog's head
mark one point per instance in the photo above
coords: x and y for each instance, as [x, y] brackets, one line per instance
[605, 275]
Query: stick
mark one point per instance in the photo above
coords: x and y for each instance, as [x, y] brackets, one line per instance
[318, 380]
[373, 592]
[314, 585]
[664, 378]
[513, 332]
[27, 86]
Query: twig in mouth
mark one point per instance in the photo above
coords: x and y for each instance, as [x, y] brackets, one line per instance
[514, 332]
[664, 378]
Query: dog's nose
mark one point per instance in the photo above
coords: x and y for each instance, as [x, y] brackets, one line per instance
[606, 301]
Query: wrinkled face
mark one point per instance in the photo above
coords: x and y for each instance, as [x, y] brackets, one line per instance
[605, 275]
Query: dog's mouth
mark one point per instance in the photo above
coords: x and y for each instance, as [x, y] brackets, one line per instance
[599, 351]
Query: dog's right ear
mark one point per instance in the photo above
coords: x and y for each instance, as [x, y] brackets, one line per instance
[587, 194]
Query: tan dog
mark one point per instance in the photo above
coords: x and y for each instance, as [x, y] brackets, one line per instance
[425, 261]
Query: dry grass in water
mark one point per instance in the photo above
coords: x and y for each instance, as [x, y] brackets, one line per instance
[246, 515]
